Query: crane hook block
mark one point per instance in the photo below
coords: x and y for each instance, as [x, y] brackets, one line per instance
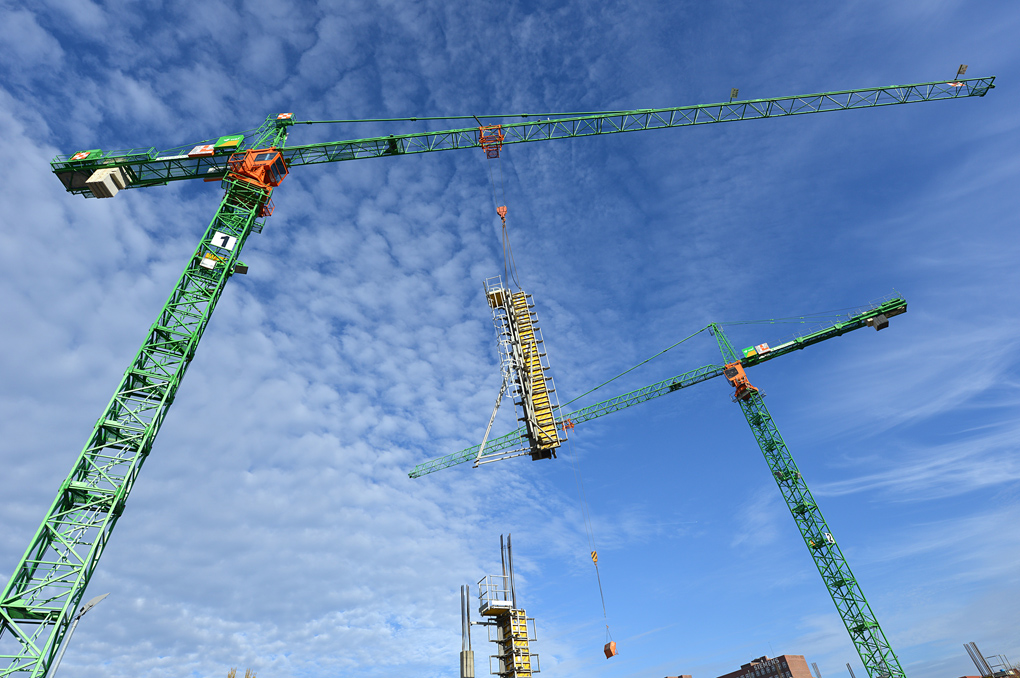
[501, 211]
[734, 373]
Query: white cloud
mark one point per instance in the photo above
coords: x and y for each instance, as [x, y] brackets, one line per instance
[27, 42]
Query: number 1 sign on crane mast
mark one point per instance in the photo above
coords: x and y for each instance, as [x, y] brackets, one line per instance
[41, 596]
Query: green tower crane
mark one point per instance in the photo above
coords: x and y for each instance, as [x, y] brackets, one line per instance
[873, 647]
[869, 639]
[40, 598]
[495, 447]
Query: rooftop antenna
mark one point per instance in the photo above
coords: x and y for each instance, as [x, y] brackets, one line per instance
[510, 562]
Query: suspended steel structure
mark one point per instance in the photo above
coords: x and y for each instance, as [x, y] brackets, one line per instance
[40, 598]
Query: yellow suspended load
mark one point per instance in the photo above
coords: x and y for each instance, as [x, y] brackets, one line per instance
[525, 366]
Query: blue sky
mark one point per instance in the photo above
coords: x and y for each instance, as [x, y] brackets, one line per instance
[274, 525]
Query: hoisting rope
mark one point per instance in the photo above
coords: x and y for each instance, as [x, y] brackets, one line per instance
[668, 348]
[492, 146]
[588, 529]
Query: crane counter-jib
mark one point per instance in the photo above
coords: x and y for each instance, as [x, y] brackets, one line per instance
[147, 167]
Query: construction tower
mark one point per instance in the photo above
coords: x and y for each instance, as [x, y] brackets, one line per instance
[509, 627]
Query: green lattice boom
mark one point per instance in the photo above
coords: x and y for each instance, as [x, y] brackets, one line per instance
[147, 167]
[873, 647]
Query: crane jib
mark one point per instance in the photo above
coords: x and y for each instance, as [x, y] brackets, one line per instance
[147, 167]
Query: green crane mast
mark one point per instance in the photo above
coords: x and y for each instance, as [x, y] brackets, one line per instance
[867, 636]
[869, 639]
[40, 598]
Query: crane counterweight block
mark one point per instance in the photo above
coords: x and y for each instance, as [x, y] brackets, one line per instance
[881, 321]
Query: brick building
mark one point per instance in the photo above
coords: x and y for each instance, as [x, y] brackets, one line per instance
[783, 666]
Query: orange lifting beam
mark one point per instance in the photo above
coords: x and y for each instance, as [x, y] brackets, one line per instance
[491, 138]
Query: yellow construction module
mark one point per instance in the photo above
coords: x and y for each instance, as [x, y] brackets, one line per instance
[515, 658]
[536, 400]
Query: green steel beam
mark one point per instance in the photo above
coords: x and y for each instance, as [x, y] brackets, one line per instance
[854, 321]
[147, 167]
[41, 596]
[873, 647]
[517, 438]
[890, 307]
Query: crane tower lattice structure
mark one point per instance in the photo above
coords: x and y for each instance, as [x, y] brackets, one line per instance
[855, 611]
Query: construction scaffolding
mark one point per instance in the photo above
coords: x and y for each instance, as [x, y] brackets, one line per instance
[524, 366]
[509, 627]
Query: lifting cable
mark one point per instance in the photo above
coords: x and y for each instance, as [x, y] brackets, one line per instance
[808, 318]
[589, 530]
[646, 360]
[610, 648]
[492, 144]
